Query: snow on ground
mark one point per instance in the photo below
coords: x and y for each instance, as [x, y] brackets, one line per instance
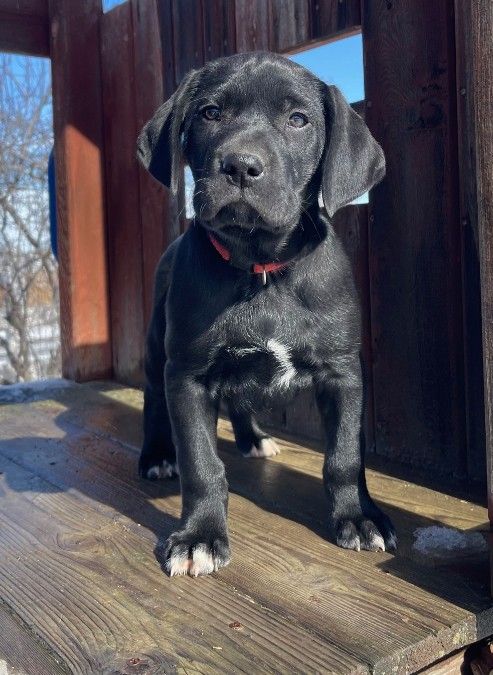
[16, 393]
[438, 540]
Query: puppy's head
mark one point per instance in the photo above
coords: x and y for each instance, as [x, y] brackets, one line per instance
[262, 135]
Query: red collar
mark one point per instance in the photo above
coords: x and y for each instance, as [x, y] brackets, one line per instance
[257, 268]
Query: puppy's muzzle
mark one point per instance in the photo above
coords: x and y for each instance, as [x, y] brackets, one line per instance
[242, 169]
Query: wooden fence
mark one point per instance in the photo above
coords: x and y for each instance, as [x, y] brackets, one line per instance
[414, 248]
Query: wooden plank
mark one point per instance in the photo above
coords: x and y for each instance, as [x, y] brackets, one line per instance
[188, 36]
[22, 652]
[22, 8]
[101, 599]
[253, 25]
[291, 24]
[314, 602]
[476, 659]
[303, 24]
[330, 18]
[165, 20]
[480, 49]
[168, 41]
[155, 203]
[116, 413]
[386, 611]
[122, 194]
[450, 666]
[473, 352]
[219, 28]
[188, 42]
[78, 124]
[414, 235]
[24, 27]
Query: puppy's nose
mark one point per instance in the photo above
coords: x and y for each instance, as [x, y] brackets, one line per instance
[242, 169]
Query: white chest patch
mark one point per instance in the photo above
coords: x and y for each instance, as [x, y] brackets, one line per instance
[283, 357]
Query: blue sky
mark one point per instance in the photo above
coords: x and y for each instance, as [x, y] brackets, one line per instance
[339, 63]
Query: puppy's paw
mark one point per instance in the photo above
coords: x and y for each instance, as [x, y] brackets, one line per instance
[265, 447]
[187, 553]
[364, 533]
[155, 465]
[161, 471]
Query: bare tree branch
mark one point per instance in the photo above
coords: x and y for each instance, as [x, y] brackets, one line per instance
[28, 270]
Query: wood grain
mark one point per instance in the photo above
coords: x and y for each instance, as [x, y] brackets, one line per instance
[155, 203]
[219, 28]
[78, 125]
[188, 40]
[414, 235]
[37, 8]
[332, 17]
[253, 25]
[382, 612]
[449, 666]
[22, 651]
[122, 194]
[479, 30]
[291, 24]
[25, 27]
[471, 285]
[102, 600]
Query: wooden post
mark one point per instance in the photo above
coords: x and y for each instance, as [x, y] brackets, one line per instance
[479, 47]
[414, 234]
[24, 27]
[155, 200]
[122, 194]
[471, 283]
[78, 123]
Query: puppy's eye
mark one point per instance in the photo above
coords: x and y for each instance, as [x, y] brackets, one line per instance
[298, 120]
[211, 112]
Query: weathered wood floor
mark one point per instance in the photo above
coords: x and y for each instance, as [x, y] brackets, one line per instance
[82, 590]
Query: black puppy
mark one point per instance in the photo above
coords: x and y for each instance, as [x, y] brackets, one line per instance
[256, 299]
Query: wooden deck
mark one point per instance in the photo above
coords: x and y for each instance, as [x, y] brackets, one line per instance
[82, 590]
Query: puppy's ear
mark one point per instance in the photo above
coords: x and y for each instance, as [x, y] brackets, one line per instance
[353, 161]
[159, 142]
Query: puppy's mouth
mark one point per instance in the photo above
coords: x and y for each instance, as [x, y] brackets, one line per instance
[239, 214]
[243, 210]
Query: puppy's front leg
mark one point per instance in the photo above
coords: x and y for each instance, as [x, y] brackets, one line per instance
[201, 545]
[356, 520]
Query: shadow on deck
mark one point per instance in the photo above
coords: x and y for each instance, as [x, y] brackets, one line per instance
[82, 589]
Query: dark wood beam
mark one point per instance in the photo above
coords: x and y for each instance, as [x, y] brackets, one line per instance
[24, 27]
[479, 29]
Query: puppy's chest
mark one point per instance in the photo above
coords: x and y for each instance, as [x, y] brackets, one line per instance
[260, 354]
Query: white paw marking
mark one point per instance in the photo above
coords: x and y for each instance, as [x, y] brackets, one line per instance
[377, 543]
[202, 561]
[164, 470]
[178, 565]
[267, 448]
[284, 359]
[353, 544]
